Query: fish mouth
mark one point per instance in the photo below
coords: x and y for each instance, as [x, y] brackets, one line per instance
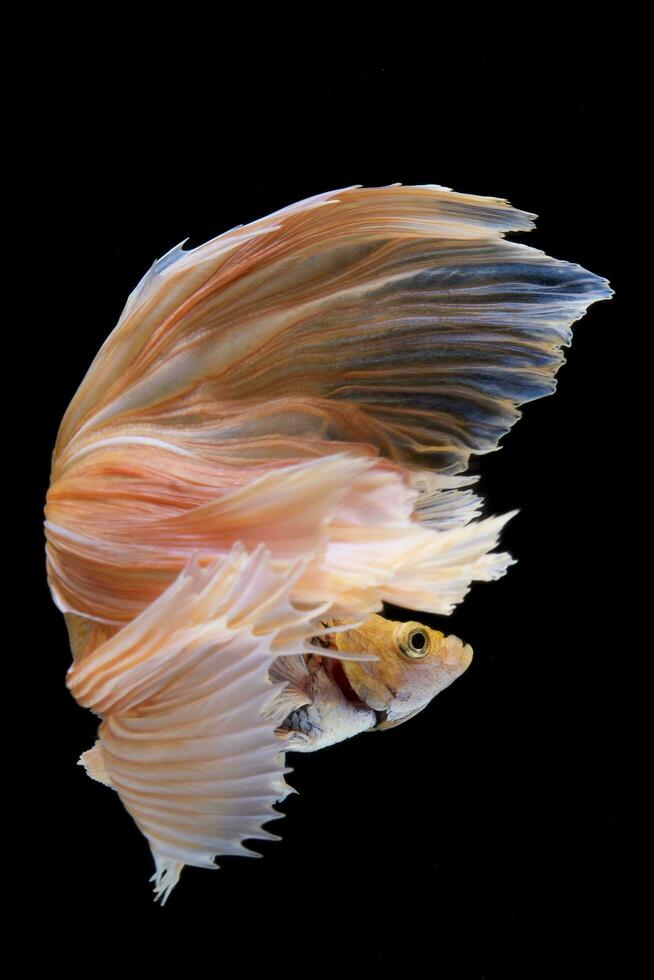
[338, 675]
[456, 653]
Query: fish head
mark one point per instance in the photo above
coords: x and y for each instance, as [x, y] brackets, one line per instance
[414, 663]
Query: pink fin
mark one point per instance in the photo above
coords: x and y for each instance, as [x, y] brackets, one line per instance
[94, 764]
[183, 691]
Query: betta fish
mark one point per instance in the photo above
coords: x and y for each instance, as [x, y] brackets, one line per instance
[270, 445]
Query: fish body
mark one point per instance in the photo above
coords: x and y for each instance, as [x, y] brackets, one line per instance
[408, 665]
[271, 444]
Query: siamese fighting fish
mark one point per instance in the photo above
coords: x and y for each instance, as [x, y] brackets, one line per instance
[270, 445]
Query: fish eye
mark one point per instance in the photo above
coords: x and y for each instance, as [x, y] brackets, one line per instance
[414, 641]
[417, 640]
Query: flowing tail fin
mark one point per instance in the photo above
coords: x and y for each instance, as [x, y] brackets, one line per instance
[396, 316]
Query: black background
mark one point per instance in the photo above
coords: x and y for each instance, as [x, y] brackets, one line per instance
[497, 820]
